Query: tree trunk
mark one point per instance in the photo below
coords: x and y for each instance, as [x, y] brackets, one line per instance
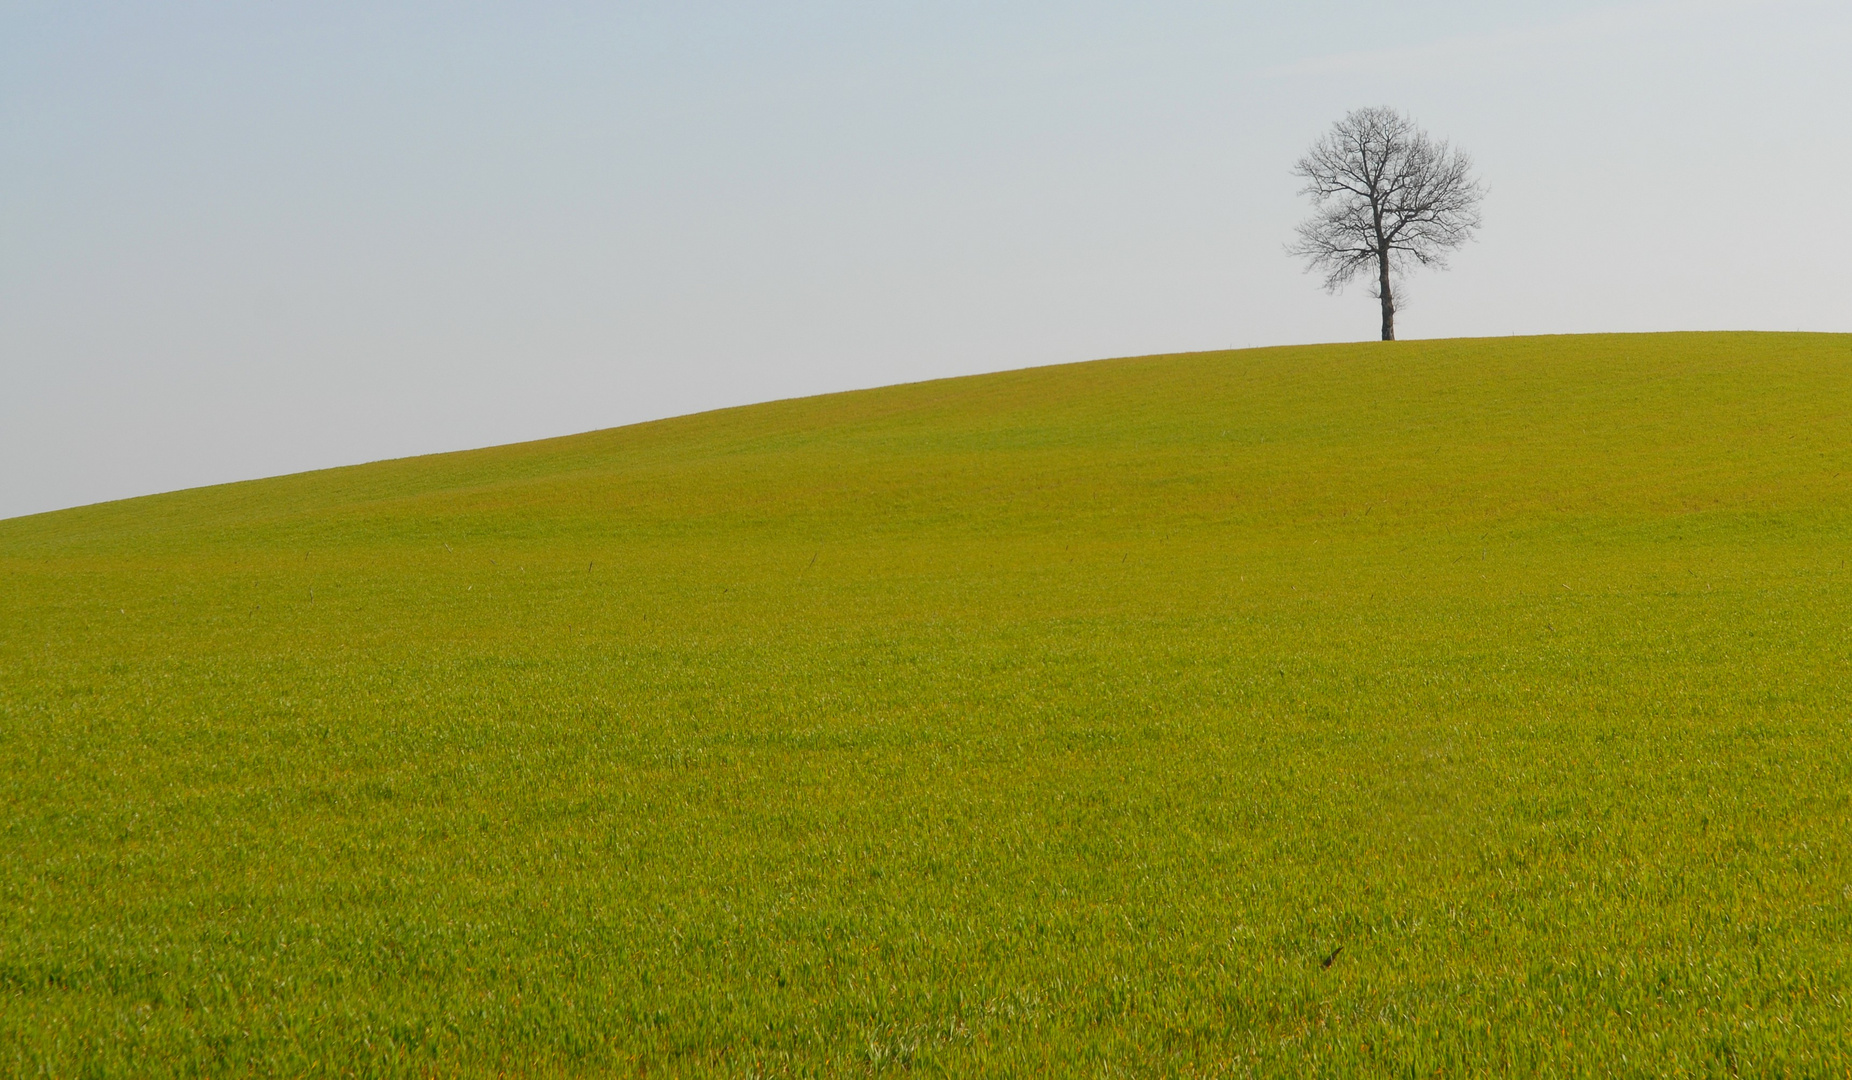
[1388, 297]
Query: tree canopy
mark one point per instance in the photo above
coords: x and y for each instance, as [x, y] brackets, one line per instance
[1386, 198]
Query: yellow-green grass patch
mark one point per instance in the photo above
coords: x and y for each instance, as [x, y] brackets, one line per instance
[1059, 721]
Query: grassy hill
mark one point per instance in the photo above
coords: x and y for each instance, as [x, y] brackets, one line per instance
[1455, 707]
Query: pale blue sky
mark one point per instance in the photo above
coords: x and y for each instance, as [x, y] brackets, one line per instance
[239, 240]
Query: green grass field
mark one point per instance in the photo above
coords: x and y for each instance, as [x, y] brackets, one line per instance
[1064, 721]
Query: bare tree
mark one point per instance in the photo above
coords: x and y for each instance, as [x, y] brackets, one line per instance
[1385, 198]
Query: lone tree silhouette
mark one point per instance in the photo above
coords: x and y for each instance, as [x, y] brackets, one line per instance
[1385, 198]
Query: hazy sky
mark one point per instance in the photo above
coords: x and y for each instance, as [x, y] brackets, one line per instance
[241, 239]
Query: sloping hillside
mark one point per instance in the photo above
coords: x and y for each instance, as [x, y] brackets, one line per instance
[1477, 706]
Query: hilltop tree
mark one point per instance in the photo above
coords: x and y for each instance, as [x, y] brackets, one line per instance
[1386, 198]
